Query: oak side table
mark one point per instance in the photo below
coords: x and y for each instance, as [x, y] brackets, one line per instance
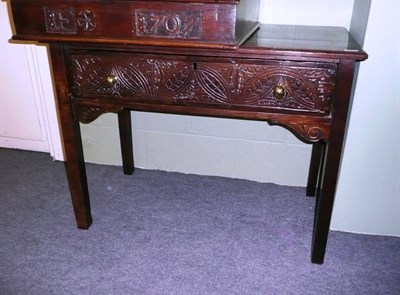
[158, 59]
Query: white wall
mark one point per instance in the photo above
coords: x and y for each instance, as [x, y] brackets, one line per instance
[28, 119]
[307, 12]
[368, 196]
[19, 93]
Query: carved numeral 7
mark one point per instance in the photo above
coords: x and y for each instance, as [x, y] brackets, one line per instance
[157, 21]
[191, 21]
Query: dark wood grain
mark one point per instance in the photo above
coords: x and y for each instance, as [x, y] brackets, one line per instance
[325, 200]
[125, 135]
[74, 162]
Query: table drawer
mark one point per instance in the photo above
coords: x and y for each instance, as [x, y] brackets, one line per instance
[219, 82]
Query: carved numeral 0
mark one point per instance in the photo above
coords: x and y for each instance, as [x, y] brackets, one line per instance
[172, 24]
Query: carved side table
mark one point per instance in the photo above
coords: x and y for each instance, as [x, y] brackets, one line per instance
[297, 77]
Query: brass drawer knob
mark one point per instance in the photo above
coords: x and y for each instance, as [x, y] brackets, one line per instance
[111, 80]
[279, 92]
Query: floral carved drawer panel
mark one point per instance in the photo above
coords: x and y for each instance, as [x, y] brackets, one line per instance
[239, 83]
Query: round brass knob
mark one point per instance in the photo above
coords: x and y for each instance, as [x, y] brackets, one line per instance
[111, 80]
[279, 92]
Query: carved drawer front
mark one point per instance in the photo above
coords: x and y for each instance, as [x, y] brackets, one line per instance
[235, 83]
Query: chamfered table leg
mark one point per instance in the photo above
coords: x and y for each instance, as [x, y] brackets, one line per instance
[71, 135]
[315, 168]
[76, 172]
[331, 162]
[324, 203]
[125, 136]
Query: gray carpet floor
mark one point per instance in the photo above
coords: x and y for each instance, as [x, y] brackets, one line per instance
[169, 233]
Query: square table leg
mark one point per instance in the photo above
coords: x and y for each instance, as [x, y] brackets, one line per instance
[331, 162]
[125, 136]
[71, 135]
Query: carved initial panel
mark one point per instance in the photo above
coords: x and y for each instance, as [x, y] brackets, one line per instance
[246, 84]
[70, 21]
[61, 21]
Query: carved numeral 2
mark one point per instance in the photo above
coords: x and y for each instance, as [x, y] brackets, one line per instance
[170, 24]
